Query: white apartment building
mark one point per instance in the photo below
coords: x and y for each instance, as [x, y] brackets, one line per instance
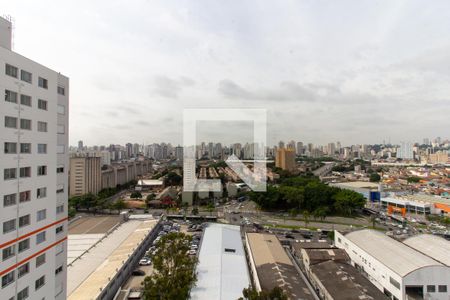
[33, 176]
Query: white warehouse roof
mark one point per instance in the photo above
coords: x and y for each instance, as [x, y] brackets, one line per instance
[395, 255]
[221, 274]
[432, 246]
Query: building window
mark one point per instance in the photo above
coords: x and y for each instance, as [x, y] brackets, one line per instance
[60, 149]
[40, 260]
[10, 148]
[24, 245]
[40, 237]
[41, 170]
[42, 104]
[8, 278]
[9, 226]
[61, 109]
[25, 196]
[59, 248]
[60, 170]
[42, 126]
[26, 76]
[61, 90]
[10, 173]
[442, 288]
[23, 294]
[25, 100]
[25, 124]
[23, 270]
[43, 83]
[9, 200]
[41, 193]
[431, 288]
[41, 215]
[10, 96]
[60, 209]
[60, 189]
[394, 282]
[25, 172]
[59, 270]
[10, 122]
[24, 221]
[230, 250]
[61, 129]
[59, 229]
[25, 147]
[11, 70]
[8, 252]
[39, 283]
[42, 148]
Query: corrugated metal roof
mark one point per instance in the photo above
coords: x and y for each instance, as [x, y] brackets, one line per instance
[221, 274]
[395, 255]
[432, 246]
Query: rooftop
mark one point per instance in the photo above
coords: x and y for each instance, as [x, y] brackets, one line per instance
[358, 184]
[432, 246]
[319, 255]
[150, 182]
[274, 268]
[222, 269]
[342, 281]
[88, 276]
[395, 255]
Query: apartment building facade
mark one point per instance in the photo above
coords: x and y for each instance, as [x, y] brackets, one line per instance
[85, 175]
[34, 176]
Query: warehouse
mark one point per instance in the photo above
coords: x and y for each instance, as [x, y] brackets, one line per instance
[222, 270]
[395, 268]
[432, 246]
[271, 267]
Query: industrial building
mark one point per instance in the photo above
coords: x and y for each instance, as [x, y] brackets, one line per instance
[222, 269]
[398, 270]
[432, 246]
[270, 266]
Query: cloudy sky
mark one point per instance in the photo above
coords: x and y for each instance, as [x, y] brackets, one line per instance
[349, 71]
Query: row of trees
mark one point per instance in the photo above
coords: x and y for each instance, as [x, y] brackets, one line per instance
[307, 193]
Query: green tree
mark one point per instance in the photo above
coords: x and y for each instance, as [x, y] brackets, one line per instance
[306, 216]
[195, 211]
[174, 270]
[119, 205]
[346, 202]
[252, 294]
[413, 179]
[374, 177]
[136, 195]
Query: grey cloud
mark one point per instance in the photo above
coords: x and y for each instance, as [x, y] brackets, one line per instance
[142, 123]
[171, 88]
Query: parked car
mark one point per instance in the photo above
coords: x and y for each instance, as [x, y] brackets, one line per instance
[145, 262]
[138, 273]
[192, 252]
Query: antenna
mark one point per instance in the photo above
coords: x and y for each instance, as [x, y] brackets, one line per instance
[10, 19]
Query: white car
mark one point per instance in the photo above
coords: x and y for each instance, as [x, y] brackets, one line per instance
[192, 252]
[145, 262]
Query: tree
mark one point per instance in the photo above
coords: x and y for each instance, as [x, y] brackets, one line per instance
[174, 270]
[374, 177]
[119, 205]
[346, 202]
[136, 195]
[306, 216]
[195, 211]
[413, 179]
[210, 207]
[275, 294]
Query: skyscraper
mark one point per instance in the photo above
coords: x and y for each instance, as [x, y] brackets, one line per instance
[285, 159]
[34, 164]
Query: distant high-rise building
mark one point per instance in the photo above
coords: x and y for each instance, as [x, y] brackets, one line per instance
[85, 175]
[331, 149]
[300, 149]
[34, 163]
[129, 150]
[179, 153]
[285, 159]
[280, 144]
[426, 141]
[405, 151]
[80, 146]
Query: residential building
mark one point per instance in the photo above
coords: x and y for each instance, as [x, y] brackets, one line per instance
[85, 174]
[34, 166]
[285, 159]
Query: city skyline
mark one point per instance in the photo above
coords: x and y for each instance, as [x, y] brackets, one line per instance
[163, 57]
